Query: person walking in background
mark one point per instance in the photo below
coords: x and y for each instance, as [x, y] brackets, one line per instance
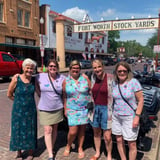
[101, 87]
[50, 106]
[76, 96]
[24, 115]
[128, 105]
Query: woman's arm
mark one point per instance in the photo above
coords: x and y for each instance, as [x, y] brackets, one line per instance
[11, 88]
[140, 99]
[64, 97]
[37, 87]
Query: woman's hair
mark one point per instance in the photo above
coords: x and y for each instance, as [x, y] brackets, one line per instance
[97, 60]
[29, 61]
[54, 61]
[126, 65]
[73, 63]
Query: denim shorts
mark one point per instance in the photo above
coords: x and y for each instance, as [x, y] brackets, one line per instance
[100, 119]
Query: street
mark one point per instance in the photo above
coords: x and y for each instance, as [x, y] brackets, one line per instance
[41, 153]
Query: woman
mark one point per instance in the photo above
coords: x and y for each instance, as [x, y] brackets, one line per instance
[49, 88]
[128, 105]
[24, 115]
[102, 96]
[76, 96]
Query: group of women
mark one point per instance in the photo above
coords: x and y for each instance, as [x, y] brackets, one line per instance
[118, 103]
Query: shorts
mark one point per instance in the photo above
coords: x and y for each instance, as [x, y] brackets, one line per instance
[122, 125]
[77, 117]
[100, 118]
[48, 118]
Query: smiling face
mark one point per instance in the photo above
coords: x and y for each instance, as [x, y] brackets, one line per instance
[52, 68]
[122, 73]
[98, 68]
[75, 71]
[28, 70]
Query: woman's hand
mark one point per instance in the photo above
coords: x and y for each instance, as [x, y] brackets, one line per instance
[136, 121]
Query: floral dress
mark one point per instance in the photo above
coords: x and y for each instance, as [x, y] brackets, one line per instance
[77, 99]
[24, 118]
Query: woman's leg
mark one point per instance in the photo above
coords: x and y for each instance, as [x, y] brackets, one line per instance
[132, 150]
[54, 135]
[121, 147]
[71, 137]
[97, 140]
[108, 143]
[48, 139]
[81, 136]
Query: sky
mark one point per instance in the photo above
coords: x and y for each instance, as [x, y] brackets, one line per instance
[110, 10]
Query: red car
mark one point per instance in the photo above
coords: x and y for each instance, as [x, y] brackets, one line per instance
[9, 65]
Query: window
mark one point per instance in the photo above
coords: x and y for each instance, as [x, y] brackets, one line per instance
[7, 58]
[69, 31]
[53, 26]
[80, 36]
[1, 11]
[27, 17]
[103, 40]
[19, 15]
[9, 40]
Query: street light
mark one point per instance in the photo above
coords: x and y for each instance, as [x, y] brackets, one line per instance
[41, 44]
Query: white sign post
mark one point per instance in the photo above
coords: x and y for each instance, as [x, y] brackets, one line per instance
[156, 49]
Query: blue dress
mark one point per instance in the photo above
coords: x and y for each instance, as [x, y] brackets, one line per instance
[24, 117]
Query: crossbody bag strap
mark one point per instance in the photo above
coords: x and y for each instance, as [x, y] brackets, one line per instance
[124, 98]
[53, 86]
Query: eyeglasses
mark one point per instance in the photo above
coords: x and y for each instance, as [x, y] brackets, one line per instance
[120, 71]
[52, 66]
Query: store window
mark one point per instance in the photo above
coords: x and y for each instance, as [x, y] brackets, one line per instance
[1, 11]
[20, 16]
[27, 19]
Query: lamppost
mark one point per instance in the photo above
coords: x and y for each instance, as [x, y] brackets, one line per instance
[41, 44]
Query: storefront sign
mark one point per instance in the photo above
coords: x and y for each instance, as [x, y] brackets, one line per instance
[148, 23]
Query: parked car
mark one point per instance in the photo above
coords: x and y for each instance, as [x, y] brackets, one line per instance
[85, 64]
[9, 65]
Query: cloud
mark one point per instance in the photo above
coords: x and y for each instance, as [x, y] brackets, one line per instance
[108, 13]
[75, 13]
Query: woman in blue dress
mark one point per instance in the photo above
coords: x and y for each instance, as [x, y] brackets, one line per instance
[76, 96]
[24, 114]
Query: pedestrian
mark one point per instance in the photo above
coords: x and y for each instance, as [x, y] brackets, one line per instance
[145, 68]
[76, 96]
[24, 115]
[153, 64]
[128, 105]
[101, 87]
[50, 106]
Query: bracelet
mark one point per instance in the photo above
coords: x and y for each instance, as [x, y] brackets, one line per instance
[138, 115]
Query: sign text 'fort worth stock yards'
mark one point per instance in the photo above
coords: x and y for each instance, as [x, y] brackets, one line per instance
[133, 24]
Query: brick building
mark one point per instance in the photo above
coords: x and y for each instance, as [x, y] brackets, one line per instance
[19, 27]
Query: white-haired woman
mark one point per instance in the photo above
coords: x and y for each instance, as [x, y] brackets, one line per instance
[24, 114]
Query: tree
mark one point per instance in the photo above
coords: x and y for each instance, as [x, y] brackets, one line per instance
[112, 36]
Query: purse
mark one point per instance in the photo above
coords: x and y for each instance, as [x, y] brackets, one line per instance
[54, 87]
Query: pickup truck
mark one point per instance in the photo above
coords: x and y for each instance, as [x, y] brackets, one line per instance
[9, 65]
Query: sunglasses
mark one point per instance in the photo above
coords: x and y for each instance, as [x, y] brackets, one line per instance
[120, 71]
[52, 66]
[75, 67]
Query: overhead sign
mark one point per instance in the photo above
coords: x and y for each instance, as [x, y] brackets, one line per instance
[132, 24]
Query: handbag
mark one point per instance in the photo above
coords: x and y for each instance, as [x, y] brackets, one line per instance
[54, 87]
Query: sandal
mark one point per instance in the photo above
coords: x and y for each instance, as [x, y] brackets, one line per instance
[81, 155]
[66, 152]
[94, 158]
